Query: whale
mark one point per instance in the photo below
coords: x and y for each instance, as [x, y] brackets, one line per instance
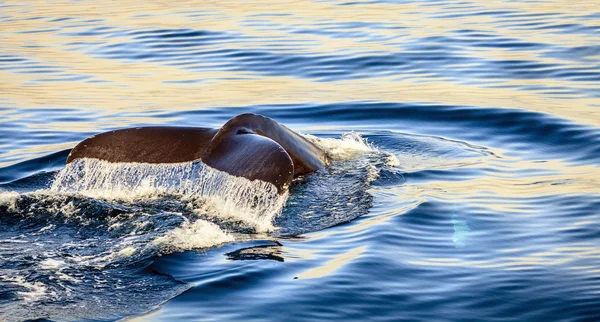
[249, 145]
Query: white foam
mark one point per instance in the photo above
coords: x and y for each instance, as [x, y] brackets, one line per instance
[352, 146]
[254, 202]
[349, 146]
[392, 161]
[49, 227]
[124, 253]
[99, 261]
[52, 264]
[9, 199]
[35, 291]
[57, 265]
[372, 173]
[199, 234]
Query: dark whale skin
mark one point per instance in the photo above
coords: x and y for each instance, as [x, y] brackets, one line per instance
[249, 145]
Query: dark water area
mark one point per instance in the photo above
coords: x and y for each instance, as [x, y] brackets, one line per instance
[464, 186]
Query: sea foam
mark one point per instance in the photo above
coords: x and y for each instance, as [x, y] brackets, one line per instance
[253, 201]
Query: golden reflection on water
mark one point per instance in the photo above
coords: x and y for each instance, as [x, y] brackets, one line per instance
[278, 90]
[557, 256]
[139, 86]
[333, 265]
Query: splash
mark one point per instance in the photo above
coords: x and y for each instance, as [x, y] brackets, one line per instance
[32, 290]
[99, 222]
[338, 193]
[206, 189]
[199, 234]
[350, 146]
[8, 199]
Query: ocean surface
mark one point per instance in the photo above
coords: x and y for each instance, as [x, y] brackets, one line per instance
[465, 147]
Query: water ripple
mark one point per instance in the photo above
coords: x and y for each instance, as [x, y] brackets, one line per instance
[471, 194]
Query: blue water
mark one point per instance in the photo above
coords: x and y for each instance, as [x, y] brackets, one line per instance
[465, 184]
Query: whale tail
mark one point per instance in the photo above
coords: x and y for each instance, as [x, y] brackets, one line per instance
[253, 157]
[248, 145]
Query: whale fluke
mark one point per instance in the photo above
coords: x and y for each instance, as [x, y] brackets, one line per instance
[248, 145]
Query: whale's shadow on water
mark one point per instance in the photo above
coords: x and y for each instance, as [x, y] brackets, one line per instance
[262, 252]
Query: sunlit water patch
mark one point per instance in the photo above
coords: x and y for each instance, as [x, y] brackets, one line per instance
[474, 196]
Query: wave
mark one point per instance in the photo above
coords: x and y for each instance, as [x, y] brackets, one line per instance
[97, 223]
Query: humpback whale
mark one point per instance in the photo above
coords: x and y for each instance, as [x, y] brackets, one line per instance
[248, 145]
